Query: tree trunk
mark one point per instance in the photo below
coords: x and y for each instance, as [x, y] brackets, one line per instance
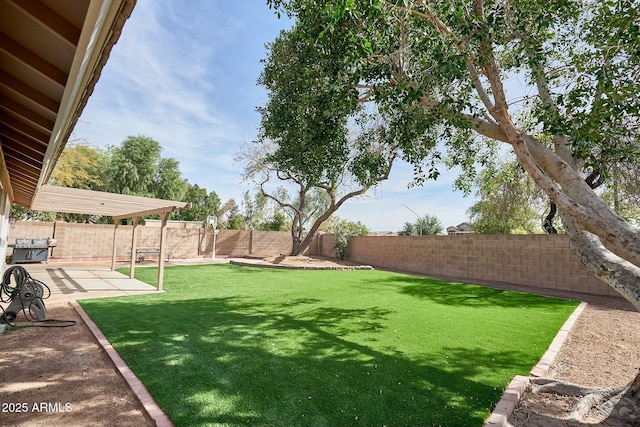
[296, 234]
[620, 274]
[620, 403]
[547, 224]
[607, 245]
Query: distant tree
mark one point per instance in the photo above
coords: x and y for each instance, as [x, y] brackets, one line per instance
[254, 210]
[21, 213]
[168, 183]
[136, 167]
[262, 213]
[231, 217]
[328, 226]
[133, 166]
[428, 225]
[408, 229]
[510, 202]
[622, 190]
[203, 204]
[79, 166]
[277, 222]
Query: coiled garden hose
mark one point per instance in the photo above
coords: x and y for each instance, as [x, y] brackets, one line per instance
[16, 280]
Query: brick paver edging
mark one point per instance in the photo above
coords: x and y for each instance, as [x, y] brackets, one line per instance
[136, 385]
[500, 415]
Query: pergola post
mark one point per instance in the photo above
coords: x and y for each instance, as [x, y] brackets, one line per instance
[113, 253]
[163, 238]
[134, 237]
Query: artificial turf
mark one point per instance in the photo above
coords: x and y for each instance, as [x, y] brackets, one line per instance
[228, 346]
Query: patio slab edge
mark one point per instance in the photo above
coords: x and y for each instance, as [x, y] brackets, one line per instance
[142, 394]
[505, 407]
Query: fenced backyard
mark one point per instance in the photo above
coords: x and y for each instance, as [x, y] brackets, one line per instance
[543, 261]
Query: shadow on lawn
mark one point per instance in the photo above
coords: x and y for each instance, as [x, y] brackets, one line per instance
[231, 361]
[463, 294]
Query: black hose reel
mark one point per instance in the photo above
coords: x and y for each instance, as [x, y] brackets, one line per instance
[23, 293]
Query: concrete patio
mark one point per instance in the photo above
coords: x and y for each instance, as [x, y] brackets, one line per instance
[71, 281]
[74, 281]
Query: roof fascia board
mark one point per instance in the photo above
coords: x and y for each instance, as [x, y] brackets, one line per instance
[4, 177]
[95, 34]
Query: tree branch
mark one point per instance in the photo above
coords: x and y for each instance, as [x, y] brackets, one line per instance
[559, 141]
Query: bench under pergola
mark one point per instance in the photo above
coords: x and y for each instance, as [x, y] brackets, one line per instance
[117, 206]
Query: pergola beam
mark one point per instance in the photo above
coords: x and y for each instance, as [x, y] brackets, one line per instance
[117, 206]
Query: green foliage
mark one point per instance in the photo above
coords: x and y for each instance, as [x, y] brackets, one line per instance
[428, 225]
[79, 166]
[344, 230]
[229, 345]
[622, 191]
[21, 213]
[168, 183]
[133, 166]
[408, 229]
[436, 70]
[314, 135]
[203, 204]
[254, 210]
[278, 222]
[230, 216]
[136, 167]
[263, 213]
[509, 201]
[235, 221]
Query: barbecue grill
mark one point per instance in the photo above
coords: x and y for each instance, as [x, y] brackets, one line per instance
[31, 250]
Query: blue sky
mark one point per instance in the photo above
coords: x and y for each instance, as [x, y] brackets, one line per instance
[184, 73]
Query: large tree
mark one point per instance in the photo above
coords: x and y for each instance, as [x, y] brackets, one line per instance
[451, 67]
[306, 136]
[80, 166]
[137, 167]
[307, 202]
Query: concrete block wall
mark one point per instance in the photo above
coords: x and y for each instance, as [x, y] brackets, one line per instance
[31, 230]
[87, 241]
[531, 260]
[95, 241]
[271, 243]
[324, 245]
[183, 242]
[233, 243]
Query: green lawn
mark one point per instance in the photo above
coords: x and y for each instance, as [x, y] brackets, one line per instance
[229, 345]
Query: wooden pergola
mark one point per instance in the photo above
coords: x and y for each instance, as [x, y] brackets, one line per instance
[117, 206]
